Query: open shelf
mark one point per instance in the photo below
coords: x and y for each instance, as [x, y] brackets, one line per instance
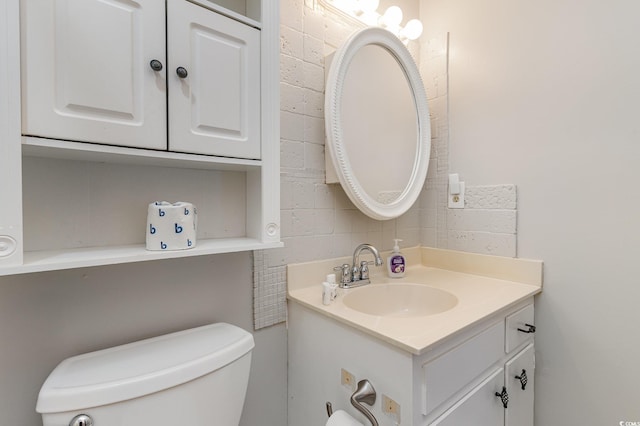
[53, 260]
[80, 151]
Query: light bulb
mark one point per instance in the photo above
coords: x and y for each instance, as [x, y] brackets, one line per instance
[412, 30]
[392, 17]
[367, 6]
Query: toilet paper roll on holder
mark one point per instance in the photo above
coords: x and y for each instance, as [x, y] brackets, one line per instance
[364, 393]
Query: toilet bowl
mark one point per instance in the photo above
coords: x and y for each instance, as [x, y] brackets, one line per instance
[197, 376]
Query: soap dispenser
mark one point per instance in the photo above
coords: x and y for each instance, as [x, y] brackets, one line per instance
[396, 262]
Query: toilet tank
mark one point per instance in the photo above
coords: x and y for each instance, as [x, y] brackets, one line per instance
[196, 376]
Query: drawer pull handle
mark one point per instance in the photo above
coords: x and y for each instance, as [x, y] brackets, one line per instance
[532, 329]
[523, 378]
[504, 397]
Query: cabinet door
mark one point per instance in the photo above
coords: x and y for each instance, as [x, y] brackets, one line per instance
[452, 371]
[480, 407]
[520, 410]
[86, 72]
[214, 83]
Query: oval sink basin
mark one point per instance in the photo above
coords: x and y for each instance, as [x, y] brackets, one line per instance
[401, 300]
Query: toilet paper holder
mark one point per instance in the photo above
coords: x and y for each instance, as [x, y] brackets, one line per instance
[364, 393]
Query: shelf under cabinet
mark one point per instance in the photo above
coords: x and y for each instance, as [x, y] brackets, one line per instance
[52, 260]
[80, 151]
[59, 259]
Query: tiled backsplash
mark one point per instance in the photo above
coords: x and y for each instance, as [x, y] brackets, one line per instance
[318, 220]
[487, 224]
[269, 292]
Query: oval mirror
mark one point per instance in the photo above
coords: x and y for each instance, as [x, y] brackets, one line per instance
[377, 123]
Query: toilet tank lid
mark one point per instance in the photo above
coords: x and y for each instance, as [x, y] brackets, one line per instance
[140, 368]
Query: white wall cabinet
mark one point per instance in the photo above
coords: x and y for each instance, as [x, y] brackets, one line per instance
[98, 71]
[215, 108]
[90, 96]
[453, 383]
[86, 75]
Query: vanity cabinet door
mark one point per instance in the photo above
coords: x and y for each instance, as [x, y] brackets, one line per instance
[451, 372]
[86, 71]
[519, 381]
[214, 83]
[480, 407]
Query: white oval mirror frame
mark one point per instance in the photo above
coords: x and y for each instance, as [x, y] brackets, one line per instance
[337, 145]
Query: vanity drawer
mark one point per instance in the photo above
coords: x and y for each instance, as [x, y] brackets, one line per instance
[518, 330]
[452, 371]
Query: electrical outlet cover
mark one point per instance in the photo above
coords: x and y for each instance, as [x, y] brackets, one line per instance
[457, 201]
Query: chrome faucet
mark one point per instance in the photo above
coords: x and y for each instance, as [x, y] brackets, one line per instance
[357, 273]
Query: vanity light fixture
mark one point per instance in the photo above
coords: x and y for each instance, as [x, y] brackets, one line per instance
[366, 12]
[391, 18]
[412, 30]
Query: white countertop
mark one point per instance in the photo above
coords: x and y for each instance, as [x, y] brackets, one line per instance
[484, 286]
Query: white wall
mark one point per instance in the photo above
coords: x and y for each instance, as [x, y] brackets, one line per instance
[544, 94]
[47, 317]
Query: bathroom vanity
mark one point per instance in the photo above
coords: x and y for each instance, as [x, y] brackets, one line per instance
[467, 360]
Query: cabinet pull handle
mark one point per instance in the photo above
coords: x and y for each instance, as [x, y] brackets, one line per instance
[523, 378]
[156, 65]
[182, 72]
[531, 329]
[504, 397]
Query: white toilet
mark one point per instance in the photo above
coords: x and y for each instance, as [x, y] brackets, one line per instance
[197, 376]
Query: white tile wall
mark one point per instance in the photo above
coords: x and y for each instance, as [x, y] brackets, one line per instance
[487, 224]
[318, 220]
[269, 292]
[433, 68]
[484, 220]
[483, 242]
[491, 197]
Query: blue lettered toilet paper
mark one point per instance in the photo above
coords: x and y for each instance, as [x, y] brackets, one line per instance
[171, 226]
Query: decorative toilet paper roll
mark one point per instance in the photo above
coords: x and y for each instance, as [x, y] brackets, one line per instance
[342, 418]
[171, 226]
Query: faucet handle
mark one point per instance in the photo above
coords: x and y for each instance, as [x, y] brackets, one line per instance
[364, 269]
[345, 273]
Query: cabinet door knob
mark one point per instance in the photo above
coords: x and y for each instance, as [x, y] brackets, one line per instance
[504, 397]
[531, 329]
[523, 378]
[182, 72]
[156, 65]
